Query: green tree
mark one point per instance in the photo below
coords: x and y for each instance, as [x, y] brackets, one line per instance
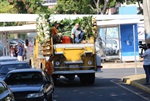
[6, 7]
[73, 6]
[84, 6]
[29, 6]
[89, 6]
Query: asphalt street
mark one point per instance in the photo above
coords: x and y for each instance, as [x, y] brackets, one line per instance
[108, 87]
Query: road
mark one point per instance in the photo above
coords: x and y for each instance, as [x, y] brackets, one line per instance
[108, 87]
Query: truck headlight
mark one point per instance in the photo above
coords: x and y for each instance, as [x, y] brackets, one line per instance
[89, 62]
[57, 63]
[33, 95]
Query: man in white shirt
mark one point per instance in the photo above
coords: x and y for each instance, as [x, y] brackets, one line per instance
[146, 63]
[77, 33]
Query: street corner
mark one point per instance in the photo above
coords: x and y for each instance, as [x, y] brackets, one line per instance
[137, 81]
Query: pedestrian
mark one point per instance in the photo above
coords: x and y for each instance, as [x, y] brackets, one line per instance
[48, 66]
[77, 33]
[16, 49]
[146, 64]
[20, 52]
[12, 51]
[24, 52]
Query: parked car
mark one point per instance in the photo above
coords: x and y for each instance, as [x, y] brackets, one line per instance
[30, 85]
[7, 58]
[5, 93]
[5, 67]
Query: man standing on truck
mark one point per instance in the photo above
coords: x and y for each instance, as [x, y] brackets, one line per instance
[56, 36]
[77, 33]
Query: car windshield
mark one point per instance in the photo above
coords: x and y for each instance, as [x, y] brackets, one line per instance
[24, 78]
[4, 69]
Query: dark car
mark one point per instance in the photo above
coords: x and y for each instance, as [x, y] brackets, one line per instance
[5, 67]
[5, 93]
[7, 58]
[30, 85]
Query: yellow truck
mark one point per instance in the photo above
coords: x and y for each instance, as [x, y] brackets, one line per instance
[70, 59]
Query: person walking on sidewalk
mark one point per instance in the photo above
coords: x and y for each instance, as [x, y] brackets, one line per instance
[146, 64]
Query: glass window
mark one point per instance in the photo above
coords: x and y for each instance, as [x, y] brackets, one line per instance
[2, 88]
[6, 68]
[24, 78]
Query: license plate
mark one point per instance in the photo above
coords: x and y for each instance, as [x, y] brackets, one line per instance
[73, 66]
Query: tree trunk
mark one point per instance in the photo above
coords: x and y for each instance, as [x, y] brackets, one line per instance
[97, 4]
[105, 6]
[140, 8]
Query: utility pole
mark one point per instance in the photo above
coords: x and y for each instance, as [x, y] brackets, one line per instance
[146, 9]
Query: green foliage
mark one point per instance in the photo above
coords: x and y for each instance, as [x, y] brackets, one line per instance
[87, 6]
[6, 7]
[85, 23]
[73, 6]
[30, 6]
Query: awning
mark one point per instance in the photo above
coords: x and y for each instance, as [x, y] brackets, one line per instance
[33, 17]
[19, 29]
[111, 23]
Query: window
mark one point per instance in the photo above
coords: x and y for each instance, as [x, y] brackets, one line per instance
[6, 68]
[2, 88]
[24, 78]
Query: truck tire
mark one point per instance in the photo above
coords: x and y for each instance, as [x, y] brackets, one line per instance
[83, 80]
[71, 77]
[87, 79]
[54, 79]
[91, 78]
[30, 62]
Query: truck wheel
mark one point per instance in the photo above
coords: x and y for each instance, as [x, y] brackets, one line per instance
[30, 63]
[71, 77]
[83, 79]
[54, 79]
[91, 78]
[87, 79]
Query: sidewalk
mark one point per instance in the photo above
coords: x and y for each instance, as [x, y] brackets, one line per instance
[138, 82]
[122, 65]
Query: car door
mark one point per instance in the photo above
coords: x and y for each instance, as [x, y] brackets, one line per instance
[5, 93]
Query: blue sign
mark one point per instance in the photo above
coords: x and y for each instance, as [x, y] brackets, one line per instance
[127, 39]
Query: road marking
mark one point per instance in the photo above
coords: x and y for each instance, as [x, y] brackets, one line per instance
[130, 90]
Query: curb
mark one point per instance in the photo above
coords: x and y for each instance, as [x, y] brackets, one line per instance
[133, 83]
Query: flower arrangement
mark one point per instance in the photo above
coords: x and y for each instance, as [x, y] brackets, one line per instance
[43, 28]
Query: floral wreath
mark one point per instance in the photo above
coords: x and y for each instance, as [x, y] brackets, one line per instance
[43, 28]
